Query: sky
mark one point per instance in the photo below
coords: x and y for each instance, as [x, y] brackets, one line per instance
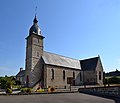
[78, 29]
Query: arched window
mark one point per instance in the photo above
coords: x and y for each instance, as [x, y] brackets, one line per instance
[99, 75]
[80, 77]
[73, 75]
[63, 75]
[52, 71]
[27, 78]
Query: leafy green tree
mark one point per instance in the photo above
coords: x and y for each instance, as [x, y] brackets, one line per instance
[17, 82]
[114, 80]
[105, 82]
[6, 82]
[3, 83]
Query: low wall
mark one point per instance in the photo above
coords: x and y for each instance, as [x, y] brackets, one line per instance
[112, 90]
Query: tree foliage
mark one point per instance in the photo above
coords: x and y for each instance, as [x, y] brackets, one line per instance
[6, 82]
[114, 80]
[111, 80]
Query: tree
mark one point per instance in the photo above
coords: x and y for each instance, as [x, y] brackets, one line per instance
[105, 82]
[6, 82]
[3, 83]
[114, 80]
[17, 82]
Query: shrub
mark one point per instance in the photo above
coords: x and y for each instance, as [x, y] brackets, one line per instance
[23, 89]
[8, 84]
[51, 89]
[40, 90]
[28, 90]
[17, 82]
[9, 90]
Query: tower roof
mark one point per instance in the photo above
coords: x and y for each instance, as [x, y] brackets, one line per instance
[35, 29]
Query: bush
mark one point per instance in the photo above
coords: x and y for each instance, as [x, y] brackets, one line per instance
[40, 90]
[23, 89]
[28, 90]
[9, 90]
[51, 89]
[17, 82]
[8, 84]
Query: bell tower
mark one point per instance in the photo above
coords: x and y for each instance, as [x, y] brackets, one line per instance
[34, 51]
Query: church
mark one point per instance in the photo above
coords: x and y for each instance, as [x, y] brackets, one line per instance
[47, 69]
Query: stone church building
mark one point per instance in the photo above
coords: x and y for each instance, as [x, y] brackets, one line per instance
[47, 69]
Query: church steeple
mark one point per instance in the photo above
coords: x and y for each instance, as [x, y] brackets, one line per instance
[34, 51]
[35, 29]
[35, 19]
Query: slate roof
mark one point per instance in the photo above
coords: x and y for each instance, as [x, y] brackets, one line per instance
[89, 64]
[58, 60]
[21, 73]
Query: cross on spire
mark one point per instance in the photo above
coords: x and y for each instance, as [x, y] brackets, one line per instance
[35, 19]
[35, 10]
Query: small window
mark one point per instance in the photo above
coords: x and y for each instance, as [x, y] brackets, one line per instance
[52, 71]
[42, 66]
[37, 40]
[99, 75]
[63, 75]
[80, 77]
[37, 54]
[73, 75]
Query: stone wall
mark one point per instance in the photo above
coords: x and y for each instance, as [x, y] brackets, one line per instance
[89, 77]
[114, 90]
[58, 81]
[99, 69]
[34, 51]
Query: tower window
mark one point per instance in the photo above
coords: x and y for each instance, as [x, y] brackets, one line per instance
[38, 41]
[63, 75]
[52, 72]
[37, 54]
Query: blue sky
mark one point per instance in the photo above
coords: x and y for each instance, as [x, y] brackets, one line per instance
[74, 28]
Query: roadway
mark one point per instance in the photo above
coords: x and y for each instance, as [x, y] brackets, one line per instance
[55, 98]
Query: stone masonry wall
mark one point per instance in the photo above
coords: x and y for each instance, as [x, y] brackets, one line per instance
[58, 81]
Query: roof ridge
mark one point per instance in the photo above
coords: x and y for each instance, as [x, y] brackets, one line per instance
[62, 55]
[90, 58]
